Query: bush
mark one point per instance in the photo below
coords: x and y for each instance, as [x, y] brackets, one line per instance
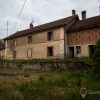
[97, 60]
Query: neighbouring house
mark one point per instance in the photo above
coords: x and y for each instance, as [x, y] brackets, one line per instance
[82, 36]
[67, 37]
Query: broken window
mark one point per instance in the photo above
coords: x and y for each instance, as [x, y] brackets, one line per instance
[50, 36]
[78, 49]
[50, 51]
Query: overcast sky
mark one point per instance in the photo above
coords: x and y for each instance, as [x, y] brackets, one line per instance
[42, 11]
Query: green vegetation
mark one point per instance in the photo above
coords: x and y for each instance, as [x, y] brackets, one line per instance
[97, 53]
[57, 85]
[27, 84]
[97, 60]
[52, 60]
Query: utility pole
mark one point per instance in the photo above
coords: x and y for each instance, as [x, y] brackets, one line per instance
[7, 28]
[99, 10]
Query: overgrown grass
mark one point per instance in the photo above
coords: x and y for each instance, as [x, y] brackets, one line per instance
[32, 61]
[58, 85]
[87, 60]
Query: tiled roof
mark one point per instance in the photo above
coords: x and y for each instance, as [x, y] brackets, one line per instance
[53, 24]
[86, 23]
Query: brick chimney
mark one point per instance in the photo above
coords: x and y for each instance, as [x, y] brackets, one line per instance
[73, 12]
[31, 25]
[83, 15]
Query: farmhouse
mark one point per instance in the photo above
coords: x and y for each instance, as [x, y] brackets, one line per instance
[67, 37]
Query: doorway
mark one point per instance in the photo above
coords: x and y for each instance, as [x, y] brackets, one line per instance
[14, 54]
[50, 51]
[91, 50]
[71, 52]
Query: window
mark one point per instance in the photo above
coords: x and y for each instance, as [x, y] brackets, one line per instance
[29, 39]
[50, 36]
[50, 51]
[78, 49]
[14, 54]
[29, 53]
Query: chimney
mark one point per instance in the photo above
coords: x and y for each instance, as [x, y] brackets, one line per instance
[83, 15]
[31, 25]
[73, 12]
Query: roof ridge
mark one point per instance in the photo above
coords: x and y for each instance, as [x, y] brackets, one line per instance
[56, 23]
[55, 20]
[43, 24]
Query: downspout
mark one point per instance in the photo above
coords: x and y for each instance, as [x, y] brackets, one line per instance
[65, 41]
[65, 35]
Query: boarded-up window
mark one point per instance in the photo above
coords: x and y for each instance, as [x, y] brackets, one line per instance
[29, 52]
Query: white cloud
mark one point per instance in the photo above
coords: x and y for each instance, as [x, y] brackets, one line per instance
[41, 11]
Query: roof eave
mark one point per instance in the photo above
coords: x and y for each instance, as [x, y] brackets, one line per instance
[81, 28]
[8, 38]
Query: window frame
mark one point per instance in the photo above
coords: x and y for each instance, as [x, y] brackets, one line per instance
[50, 36]
[78, 49]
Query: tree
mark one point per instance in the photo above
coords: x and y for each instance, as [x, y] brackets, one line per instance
[97, 54]
[97, 60]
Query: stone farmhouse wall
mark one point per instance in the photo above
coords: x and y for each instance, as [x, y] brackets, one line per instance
[47, 65]
[39, 45]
